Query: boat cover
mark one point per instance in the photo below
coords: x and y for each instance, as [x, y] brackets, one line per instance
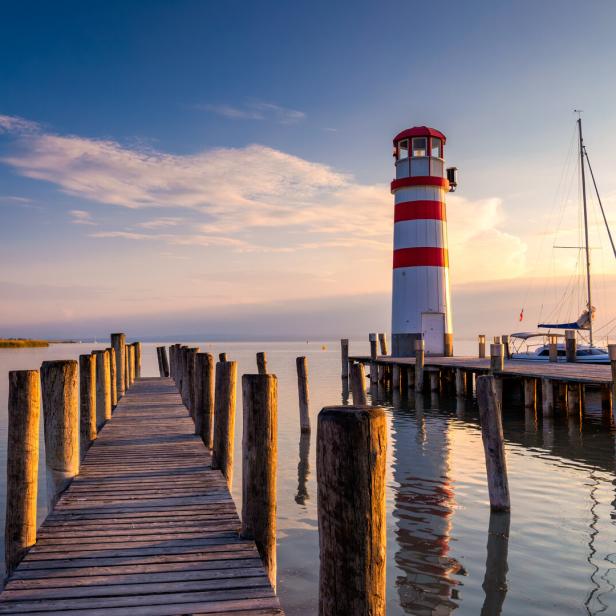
[582, 323]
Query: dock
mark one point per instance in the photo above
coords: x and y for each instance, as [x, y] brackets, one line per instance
[147, 527]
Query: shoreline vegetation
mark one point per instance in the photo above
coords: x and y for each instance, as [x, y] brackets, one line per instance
[21, 343]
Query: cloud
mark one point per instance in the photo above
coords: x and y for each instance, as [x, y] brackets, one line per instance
[10, 124]
[256, 110]
[81, 217]
[254, 199]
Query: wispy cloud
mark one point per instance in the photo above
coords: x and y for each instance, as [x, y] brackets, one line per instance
[81, 217]
[158, 223]
[256, 110]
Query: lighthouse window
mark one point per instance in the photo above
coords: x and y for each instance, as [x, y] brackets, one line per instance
[420, 146]
[436, 147]
[403, 149]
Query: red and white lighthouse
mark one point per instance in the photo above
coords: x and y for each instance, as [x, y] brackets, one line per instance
[421, 304]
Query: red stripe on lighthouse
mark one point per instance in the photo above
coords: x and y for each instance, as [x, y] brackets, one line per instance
[423, 180]
[421, 257]
[419, 210]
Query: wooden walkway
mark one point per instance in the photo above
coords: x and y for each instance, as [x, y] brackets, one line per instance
[147, 528]
[587, 374]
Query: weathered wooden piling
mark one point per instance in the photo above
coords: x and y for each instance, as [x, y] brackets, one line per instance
[224, 418]
[344, 357]
[303, 393]
[172, 361]
[204, 397]
[261, 363]
[612, 352]
[395, 376]
[113, 381]
[383, 343]
[358, 384]
[497, 357]
[22, 456]
[506, 349]
[460, 383]
[374, 369]
[553, 348]
[420, 347]
[192, 357]
[434, 378]
[574, 399]
[165, 360]
[570, 345]
[351, 456]
[103, 388]
[126, 367]
[373, 348]
[547, 397]
[60, 395]
[530, 393]
[222, 357]
[137, 347]
[160, 362]
[132, 365]
[493, 443]
[482, 346]
[259, 463]
[87, 401]
[118, 342]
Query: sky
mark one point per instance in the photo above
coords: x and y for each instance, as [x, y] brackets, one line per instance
[223, 168]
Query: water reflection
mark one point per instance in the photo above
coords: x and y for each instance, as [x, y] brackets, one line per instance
[495, 580]
[303, 469]
[423, 506]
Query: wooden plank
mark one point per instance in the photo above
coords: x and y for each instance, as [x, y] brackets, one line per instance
[146, 528]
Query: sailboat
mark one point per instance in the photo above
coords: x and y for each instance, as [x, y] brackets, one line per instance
[585, 353]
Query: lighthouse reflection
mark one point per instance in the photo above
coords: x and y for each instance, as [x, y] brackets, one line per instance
[423, 507]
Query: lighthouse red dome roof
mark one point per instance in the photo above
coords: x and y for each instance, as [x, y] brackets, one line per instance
[419, 131]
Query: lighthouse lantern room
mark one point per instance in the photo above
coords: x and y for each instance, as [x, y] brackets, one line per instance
[421, 305]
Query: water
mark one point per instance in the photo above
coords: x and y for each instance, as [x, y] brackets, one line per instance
[559, 558]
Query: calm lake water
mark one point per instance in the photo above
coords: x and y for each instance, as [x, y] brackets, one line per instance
[446, 553]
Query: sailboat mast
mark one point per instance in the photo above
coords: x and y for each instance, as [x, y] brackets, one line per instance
[586, 245]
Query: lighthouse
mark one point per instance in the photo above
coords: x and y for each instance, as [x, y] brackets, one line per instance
[421, 304]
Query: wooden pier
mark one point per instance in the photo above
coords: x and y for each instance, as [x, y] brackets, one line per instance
[146, 528]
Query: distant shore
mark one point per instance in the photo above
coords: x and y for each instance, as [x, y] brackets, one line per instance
[21, 343]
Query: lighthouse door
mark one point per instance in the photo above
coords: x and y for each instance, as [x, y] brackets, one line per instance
[433, 329]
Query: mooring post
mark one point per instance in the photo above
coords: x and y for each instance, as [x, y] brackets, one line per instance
[612, 352]
[410, 377]
[118, 342]
[460, 383]
[22, 458]
[224, 418]
[493, 443]
[113, 382]
[395, 376]
[137, 346]
[303, 392]
[505, 343]
[132, 364]
[482, 346]
[344, 357]
[103, 388]
[222, 357]
[185, 393]
[530, 393]
[497, 358]
[261, 362]
[374, 369]
[570, 345]
[358, 384]
[87, 401]
[172, 361]
[351, 458]
[420, 347]
[573, 399]
[547, 396]
[165, 359]
[204, 397]
[383, 343]
[553, 349]
[160, 362]
[259, 463]
[60, 394]
[126, 367]
[192, 358]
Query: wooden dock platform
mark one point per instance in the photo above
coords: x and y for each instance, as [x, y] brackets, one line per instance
[146, 528]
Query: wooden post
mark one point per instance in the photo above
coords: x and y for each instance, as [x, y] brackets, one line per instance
[553, 349]
[358, 384]
[259, 462]
[497, 340]
[303, 392]
[60, 395]
[165, 360]
[113, 382]
[505, 343]
[493, 443]
[460, 383]
[497, 359]
[103, 388]
[420, 346]
[22, 458]
[351, 459]
[224, 418]
[573, 399]
[181, 369]
[395, 376]
[261, 362]
[190, 362]
[204, 397]
[383, 343]
[482, 346]
[172, 361]
[606, 398]
[87, 401]
[570, 345]
[410, 377]
[344, 355]
[434, 376]
[132, 371]
[137, 346]
[160, 362]
[126, 367]
[612, 352]
[118, 342]
[530, 393]
[373, 351]
[547, 395]
[495, 579]
[222, 357]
